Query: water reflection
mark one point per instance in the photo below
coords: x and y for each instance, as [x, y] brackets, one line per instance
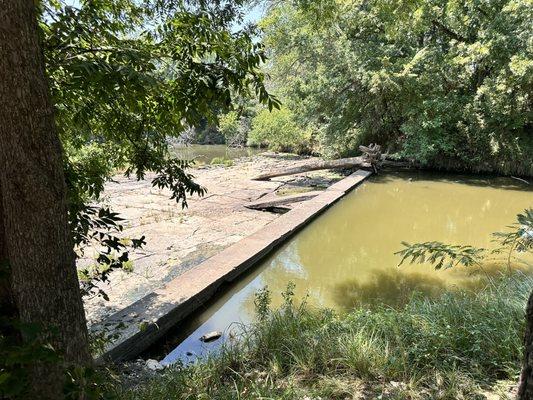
[205, 153]
[386, 287]
[345, 258]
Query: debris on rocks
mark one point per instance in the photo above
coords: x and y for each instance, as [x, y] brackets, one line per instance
[154, 365]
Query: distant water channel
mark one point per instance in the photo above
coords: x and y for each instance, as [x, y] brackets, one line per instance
[345, 258]
[205, 153]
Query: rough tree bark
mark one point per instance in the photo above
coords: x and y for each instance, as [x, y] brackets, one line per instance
[525, 388]
[3, 244]
[7, 302]
[39, 246]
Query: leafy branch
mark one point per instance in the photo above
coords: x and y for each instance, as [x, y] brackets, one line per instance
[101, 226]
[442, 255]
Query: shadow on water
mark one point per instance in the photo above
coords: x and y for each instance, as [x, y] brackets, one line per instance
[395, 287]
[482, 181]
[391, 287]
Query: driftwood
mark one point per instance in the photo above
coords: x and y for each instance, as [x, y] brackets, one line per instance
[372, 155]
[371, 158]
[342, 163]
[281, 201]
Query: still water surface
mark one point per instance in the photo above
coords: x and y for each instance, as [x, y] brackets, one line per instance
[345, 258]
[205, 153]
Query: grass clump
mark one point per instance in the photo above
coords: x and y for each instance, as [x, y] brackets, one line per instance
[226, 162]
[456, 346]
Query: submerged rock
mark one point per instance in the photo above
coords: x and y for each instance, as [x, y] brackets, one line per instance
[211, 336]
[154, 365]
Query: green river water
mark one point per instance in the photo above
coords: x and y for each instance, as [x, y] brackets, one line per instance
[205, 153]
[345, 257]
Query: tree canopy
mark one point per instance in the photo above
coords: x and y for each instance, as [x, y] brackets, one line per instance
[127, 75]
[446, 83]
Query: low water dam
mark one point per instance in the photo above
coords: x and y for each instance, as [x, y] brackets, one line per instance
[346, 257]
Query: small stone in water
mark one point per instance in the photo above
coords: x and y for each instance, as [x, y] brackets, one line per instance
[154, 365]
[209, 337]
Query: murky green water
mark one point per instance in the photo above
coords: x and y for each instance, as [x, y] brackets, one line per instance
[345, 258]
[205, 153]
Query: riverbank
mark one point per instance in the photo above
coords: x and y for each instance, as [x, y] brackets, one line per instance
[180, 239]
[462, 345]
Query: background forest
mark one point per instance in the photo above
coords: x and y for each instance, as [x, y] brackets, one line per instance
[444, 83]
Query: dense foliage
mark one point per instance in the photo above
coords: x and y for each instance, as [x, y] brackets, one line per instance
[278, 130]
[127, 75]
[444, 82]
[235, 127]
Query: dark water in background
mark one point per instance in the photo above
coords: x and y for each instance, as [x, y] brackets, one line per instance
[205, 153]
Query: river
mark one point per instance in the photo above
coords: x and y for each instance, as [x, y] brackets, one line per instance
[205, 153]
[345, 258]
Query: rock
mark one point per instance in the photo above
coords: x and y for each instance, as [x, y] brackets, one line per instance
[398, 385]
[211, 336]
[154, 365]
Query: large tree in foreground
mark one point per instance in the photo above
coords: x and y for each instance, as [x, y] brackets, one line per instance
[85, 89]
[37, 236]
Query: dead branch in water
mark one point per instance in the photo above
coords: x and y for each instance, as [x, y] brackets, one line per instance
[371, 158]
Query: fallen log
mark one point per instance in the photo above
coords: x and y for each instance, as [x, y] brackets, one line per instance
[341, 163]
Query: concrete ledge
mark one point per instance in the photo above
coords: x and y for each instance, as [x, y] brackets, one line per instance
[281, 201]
[142, 323]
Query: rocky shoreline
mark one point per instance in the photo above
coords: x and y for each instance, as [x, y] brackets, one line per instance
[179, 239]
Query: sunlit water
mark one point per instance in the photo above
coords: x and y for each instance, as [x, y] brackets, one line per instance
[345, 258]
[205, 153]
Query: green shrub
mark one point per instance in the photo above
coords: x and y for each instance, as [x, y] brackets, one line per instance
[235, 127]
[446, 348]
[229, 127]
[278, 130]
[222, 161]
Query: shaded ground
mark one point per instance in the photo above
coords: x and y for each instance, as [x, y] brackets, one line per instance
[179, 239]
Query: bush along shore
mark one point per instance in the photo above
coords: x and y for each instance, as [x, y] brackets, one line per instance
[461, 345]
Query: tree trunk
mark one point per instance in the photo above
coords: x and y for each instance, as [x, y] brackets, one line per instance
[3, 244]
[341, 163]
[39, 245]
[525, 388]
[7, 302]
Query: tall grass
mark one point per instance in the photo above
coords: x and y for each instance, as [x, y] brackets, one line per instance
[446, 348]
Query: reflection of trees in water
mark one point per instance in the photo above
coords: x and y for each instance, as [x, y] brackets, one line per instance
[389, 287]
[350, 249]
[394, 287]
[344, 279]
